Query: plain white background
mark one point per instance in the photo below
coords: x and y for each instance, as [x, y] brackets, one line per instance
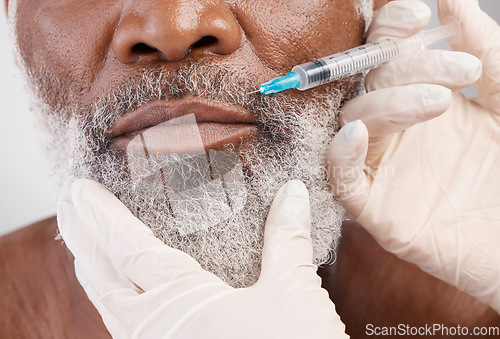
[26, 191]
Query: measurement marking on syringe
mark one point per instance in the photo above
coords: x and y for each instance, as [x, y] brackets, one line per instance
[368, 58]
[353, 63]
[397, 47]
[382, 50]
[337, 69]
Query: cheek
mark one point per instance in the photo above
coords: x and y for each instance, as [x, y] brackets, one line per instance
[69, 42]
[285, 33]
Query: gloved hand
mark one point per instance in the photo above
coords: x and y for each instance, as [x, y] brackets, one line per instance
[144, 289]
[423, 176]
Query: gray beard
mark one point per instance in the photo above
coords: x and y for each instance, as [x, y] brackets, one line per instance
[292, 144]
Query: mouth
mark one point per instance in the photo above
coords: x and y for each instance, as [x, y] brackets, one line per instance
[184, 126]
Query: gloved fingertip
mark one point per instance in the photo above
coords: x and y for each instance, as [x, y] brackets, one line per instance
[287, 237]
[353, 137]
[472, 66]
[355, 130]
[414, 11]
[399, 19]
[295, 188]
[465, 68]
[435, 100]
[406, 11]
[291, 201]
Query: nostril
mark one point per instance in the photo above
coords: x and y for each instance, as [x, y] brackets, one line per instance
[142, 48]
[205, 41]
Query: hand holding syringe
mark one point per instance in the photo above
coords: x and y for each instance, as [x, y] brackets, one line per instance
[359, 59]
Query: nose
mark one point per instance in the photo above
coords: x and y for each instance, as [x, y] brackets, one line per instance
[171, 30]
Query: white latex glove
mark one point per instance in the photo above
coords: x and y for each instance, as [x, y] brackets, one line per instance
[429, 190]
[144, 289]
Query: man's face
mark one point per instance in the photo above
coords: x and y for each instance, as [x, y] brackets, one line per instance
[91, 46]
[109, 74]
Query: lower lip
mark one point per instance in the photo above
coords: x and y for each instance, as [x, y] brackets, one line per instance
[185, 138]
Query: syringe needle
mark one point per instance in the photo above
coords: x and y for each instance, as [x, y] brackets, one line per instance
[257, 91]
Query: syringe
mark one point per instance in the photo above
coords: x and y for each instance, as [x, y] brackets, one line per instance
[360, 59]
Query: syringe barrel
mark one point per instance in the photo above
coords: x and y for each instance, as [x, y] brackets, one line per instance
[348, 63]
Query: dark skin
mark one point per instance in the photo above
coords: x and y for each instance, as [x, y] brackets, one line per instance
[91, 45]
[41, 297]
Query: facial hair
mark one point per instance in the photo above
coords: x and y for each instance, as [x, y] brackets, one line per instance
[291, 144]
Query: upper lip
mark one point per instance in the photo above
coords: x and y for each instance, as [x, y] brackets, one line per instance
[157, 112]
